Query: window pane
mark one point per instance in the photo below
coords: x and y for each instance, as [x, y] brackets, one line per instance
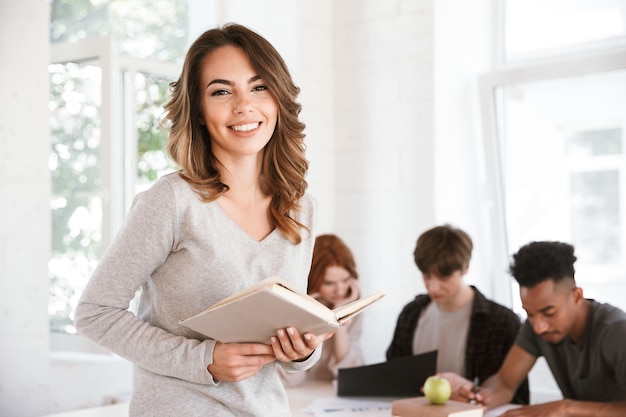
[594, 201]
[564, 169]
[143, 28]
[550, 27]
[152, 159]
[595, 142]
[76, 202]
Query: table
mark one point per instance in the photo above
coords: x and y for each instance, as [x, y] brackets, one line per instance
[303, 395]
[309, 391]
[299, 397]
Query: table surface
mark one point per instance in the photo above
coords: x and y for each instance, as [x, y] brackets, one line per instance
[299, 398]
[303, 395]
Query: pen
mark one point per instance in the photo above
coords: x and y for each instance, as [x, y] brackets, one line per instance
[474, 389]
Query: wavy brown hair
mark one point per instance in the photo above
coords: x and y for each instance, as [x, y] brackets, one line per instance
[284, 165]
[329, 250]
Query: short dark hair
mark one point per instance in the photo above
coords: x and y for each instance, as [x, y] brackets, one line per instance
[536, 262]
[443, 250]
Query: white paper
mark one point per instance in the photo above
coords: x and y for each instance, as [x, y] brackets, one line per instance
[343, 407]
[498, 411]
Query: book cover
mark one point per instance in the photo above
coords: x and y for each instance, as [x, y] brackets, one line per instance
[254, 314]
[421, 407]
[399, 377]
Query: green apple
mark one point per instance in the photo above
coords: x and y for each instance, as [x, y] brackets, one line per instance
[437, 389]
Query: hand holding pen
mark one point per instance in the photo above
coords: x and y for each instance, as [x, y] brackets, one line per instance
[474, 390]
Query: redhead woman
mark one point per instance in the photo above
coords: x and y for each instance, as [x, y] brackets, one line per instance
[333, 280]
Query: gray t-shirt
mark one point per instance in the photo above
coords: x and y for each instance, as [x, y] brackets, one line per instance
[445, 332]
[593, 369]
[186, 255]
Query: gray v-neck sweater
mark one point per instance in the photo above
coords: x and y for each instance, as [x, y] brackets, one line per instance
[185, 255]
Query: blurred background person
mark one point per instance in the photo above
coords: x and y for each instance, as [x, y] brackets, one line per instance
[333, 280]
[471, 334]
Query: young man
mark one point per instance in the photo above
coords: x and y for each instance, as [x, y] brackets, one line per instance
[471, 333]
[583, 341]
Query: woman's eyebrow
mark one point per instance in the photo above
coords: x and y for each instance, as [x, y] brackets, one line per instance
[230, 83]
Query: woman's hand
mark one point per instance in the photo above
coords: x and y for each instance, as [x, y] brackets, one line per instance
[289, 345]
[234, 362]
[321, 299]
[354, 291]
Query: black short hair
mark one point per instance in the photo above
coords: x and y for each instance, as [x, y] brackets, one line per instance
[536, 262]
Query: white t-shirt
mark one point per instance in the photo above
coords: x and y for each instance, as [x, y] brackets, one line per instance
[445, 332]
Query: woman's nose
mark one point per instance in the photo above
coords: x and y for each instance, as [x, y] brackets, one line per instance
[242, 104]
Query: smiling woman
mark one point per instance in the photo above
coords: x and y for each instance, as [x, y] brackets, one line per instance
[235, 214]
[239, 112]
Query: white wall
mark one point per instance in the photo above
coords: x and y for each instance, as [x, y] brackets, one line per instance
[383, 147]
[393, 137]
[464, 46]
[24, 207]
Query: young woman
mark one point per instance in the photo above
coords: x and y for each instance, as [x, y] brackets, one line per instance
[235, 213]
[333, 280]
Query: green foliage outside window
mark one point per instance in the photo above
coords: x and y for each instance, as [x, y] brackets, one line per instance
[155, 30]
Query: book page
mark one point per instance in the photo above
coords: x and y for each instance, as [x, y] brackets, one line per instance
[264, 283]
[349, 310]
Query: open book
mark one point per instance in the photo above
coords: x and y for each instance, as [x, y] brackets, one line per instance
[254, 314]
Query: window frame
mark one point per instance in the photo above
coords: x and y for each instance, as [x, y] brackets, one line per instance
[118, 141]
[489, 83]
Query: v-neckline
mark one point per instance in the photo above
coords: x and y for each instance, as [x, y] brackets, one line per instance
[241, 229]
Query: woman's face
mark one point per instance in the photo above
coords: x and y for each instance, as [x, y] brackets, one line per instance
[238, 110]
[335, 284]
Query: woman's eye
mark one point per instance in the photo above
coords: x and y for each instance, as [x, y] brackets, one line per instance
[219, 93]
[259, 88]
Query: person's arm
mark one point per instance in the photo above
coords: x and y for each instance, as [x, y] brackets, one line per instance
[341, 342]
[571, 408]
[344, 341]
[102, 313]
[499, 388]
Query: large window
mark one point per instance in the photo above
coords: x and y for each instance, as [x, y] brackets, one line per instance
[535, 29]
[111, 65]
[555, 124]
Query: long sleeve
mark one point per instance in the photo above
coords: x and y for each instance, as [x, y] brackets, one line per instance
[141, 248]
[181, 255]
